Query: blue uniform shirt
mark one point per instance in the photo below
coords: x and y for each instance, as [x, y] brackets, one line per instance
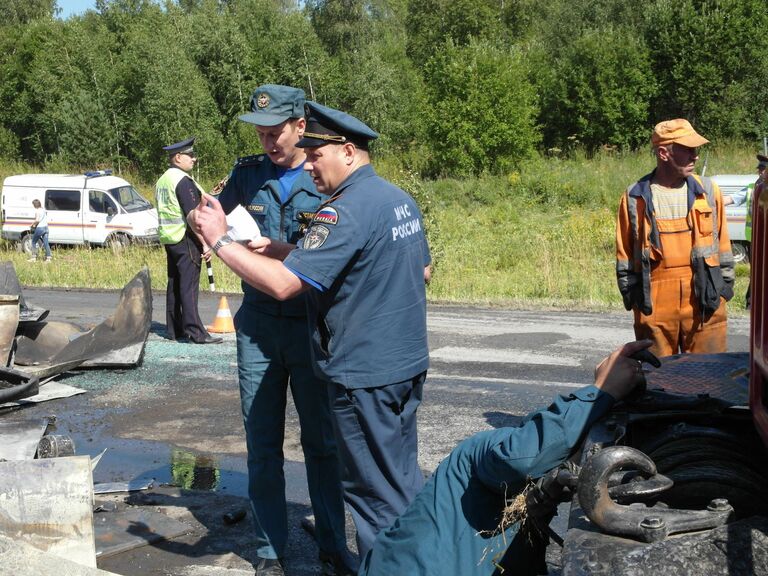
[254, 184]
[447, 529]
[367, 250]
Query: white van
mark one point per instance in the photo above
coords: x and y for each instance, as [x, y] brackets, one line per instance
[92, 208]
[736, 214]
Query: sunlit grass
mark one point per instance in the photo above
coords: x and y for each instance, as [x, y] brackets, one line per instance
[103, 268]
[540, 236]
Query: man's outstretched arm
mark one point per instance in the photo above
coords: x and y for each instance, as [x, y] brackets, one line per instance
[549, 436]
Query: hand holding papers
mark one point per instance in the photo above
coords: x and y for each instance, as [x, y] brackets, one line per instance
[241, 226]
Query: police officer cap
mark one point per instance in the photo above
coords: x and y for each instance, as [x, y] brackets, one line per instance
[762, 161]
[183, 147]
[326, 126]
[272, 104]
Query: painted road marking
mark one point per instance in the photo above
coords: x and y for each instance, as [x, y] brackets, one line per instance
[476, 379]
[457, 354]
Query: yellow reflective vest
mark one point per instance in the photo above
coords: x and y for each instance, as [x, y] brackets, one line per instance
[172, 225]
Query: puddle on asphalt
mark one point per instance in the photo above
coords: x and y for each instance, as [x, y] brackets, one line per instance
[136, 460]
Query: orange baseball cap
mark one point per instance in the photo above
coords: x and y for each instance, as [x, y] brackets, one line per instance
[677, 131]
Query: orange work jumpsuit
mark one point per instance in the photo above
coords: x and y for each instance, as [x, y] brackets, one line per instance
[657, 269]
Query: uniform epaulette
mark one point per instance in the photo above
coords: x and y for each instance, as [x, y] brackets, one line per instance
[249, 160]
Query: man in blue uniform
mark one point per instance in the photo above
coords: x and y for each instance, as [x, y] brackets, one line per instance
[452, 527]
[177, 193]
[364, 261]
[273, 341]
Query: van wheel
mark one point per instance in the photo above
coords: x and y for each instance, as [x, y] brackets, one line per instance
[25, 244]
[118, 241]
[740, 252]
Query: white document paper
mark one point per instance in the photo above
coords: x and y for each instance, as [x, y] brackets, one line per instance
[242, 226]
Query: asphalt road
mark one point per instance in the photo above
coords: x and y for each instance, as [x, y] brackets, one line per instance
[489, 367]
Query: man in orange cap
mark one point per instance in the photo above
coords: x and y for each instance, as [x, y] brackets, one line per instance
[674, 264]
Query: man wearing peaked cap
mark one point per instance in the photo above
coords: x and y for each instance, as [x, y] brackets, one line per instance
[184, 147]
[177, 194]
[326, 125]
[674, 264]
[273, 341]
[753, 190]
[363, 261]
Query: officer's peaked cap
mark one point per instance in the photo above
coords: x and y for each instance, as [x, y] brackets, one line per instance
[762, 161]
[183, 147]
[326, 126]
[272, 104]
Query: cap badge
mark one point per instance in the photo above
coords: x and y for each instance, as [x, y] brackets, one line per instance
[263, 100]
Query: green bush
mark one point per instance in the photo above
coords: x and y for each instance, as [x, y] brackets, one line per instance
[596, 91]
[709, 57]
[482, 110]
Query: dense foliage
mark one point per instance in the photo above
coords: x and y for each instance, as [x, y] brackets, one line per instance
[455, 87]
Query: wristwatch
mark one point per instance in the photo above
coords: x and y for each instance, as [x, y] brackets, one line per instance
[223, 241]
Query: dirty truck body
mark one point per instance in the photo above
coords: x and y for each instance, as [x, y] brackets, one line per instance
[674, 482]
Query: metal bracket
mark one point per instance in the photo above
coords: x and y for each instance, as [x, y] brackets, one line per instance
[648, 524]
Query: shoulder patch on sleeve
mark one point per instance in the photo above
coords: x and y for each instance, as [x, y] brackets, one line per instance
[316, 237]
[327, 215]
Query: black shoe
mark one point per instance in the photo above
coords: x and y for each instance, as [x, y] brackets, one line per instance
[269, 567]
[208, 340]
[337, 564]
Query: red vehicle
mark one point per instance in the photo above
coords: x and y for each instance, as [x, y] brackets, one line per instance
[758, 384]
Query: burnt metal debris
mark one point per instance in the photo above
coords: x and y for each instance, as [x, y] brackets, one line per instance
[46, 348]
[33, 351]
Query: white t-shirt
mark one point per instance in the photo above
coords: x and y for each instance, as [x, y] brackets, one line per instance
[41, 215]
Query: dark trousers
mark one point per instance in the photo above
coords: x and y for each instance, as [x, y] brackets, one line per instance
[273, 354]
[181, 317]
[376, 435]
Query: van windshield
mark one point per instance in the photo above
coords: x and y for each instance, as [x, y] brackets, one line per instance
[129, 199]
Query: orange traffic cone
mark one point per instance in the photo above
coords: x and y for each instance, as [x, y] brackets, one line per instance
[223, 323]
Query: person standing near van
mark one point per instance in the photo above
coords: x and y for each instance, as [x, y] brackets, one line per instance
[40, 231]
[177, 193]
[273, 342]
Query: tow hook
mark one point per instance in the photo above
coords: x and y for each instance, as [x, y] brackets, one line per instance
[638, 521]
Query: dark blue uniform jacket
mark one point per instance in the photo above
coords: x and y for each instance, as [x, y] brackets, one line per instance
[253, 184]
[367, 249]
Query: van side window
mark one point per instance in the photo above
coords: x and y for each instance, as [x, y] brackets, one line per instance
[99, 202]
[67, 200]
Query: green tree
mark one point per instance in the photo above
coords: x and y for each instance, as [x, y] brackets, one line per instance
[709, 57]
[169, 98]
[16, 12]
[430, 23]
[370, 75]
[482, 110]
[596, 90]
[342, 25]
[86, 137]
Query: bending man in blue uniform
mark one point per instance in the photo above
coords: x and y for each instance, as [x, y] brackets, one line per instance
[451, 528]
[273, 342]
[363, 262]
